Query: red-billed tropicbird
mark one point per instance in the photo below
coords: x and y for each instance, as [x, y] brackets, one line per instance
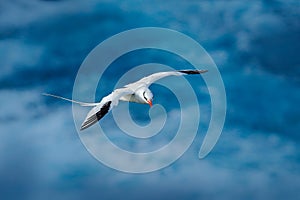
[138, 92]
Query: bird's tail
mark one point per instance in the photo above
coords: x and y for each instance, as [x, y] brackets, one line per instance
[78, 102]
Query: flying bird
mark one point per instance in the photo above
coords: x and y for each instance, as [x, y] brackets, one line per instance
[138, 92]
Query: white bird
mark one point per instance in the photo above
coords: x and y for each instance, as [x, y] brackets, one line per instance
[138, 92]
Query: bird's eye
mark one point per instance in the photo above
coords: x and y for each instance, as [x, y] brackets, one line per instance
[144, 95]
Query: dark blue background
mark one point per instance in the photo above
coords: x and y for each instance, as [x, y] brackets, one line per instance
[256, 46]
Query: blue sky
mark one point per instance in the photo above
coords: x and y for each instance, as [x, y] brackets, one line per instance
[254, 45]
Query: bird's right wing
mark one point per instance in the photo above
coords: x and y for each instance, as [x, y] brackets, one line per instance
[148, 80]
[105, 105]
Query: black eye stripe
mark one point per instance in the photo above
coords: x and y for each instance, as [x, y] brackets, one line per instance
[144, 95]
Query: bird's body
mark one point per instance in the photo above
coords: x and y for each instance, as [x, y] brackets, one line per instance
[138, 92]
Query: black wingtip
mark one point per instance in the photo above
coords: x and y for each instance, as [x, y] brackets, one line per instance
[83, 127]
[96, 117]
[193, 71]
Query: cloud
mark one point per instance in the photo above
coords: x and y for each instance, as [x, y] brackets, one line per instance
[42, 157]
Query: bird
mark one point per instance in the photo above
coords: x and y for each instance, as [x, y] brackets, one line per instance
[137, 92]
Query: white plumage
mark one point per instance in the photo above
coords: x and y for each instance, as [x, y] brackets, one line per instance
[138, 92]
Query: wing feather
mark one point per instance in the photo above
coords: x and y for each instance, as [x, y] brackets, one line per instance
[148, 80]
[105, 105]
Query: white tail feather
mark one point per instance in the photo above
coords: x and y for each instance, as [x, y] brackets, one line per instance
[73, 101]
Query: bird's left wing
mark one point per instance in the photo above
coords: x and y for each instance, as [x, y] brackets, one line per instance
[148, 80]
[105, 105]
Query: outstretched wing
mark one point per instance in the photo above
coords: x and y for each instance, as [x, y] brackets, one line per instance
[148, 80]
[105, 105]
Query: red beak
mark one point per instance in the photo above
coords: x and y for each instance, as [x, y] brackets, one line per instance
[150, 103]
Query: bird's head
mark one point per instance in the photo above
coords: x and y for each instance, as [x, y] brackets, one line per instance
[147, 96]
